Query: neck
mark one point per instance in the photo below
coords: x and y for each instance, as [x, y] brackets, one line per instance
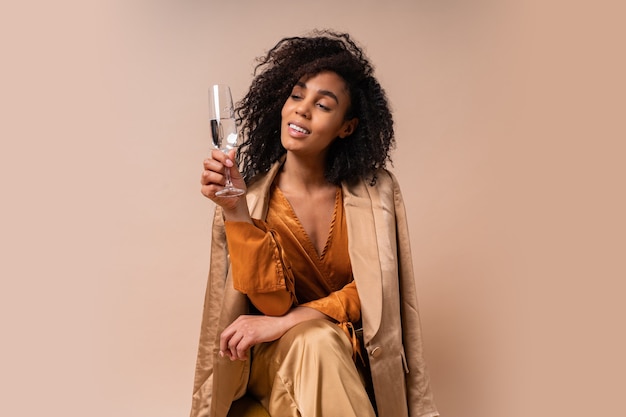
[303, 174]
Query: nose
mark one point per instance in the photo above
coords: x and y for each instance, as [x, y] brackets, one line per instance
[303, 109]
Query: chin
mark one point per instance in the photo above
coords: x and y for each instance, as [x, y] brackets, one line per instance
[289, 144]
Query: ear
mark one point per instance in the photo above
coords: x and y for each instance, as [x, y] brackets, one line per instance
[348, 127]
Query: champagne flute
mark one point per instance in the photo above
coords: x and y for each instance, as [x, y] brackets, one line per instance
[223, 131]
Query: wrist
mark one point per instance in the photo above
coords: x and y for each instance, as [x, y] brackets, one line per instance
[299, 314]
[237, 213]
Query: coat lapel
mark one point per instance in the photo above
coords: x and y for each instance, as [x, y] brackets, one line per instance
[364, 254]
[258, 193]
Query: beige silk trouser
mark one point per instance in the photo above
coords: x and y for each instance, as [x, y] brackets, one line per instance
[309, 372]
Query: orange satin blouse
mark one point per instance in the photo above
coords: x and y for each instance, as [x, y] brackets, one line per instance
[276, 265]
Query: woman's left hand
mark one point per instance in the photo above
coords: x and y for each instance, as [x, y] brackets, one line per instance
[247, 331]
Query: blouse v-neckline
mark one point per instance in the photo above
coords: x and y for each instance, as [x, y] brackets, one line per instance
[306, 239]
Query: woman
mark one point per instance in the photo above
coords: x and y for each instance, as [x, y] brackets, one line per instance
[316, 249]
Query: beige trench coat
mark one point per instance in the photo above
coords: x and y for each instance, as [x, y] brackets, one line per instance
[382, 266]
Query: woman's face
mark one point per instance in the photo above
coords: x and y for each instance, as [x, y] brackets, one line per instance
[314, 115]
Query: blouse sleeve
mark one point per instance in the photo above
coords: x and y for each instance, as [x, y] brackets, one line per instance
[260, 271]
[258, 267]
[343, 305]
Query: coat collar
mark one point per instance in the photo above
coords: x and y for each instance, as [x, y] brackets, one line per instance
[258, 193]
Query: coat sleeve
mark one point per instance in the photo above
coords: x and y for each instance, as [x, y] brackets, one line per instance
[218, 382]
[419, 394]
[213, 305]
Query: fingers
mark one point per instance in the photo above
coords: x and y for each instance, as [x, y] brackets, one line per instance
[224, 159]
[234, 344]
[229, 158]
[213, 176]
[214, 169]
[236, 348]
[211, 183]
[239, 350]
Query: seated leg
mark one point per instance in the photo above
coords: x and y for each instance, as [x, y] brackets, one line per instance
[309, 372]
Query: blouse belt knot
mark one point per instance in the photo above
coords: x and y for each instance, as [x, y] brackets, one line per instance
[351, 332]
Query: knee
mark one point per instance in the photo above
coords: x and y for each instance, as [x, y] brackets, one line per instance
[319, 335]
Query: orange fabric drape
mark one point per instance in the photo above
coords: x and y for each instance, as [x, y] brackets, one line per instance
[277, 266]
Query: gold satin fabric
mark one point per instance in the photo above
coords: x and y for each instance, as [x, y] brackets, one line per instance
[276, 265]
[381, 261]
[308, 372]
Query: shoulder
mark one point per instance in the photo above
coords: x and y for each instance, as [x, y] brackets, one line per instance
[263, 181]
[387, 188]
[385, 181]
[383, 191]
[258, 193]
[385, 177]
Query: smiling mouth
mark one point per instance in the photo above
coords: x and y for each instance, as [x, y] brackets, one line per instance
[298, 128]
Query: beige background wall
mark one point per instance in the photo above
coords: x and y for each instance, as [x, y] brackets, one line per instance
[510, 150]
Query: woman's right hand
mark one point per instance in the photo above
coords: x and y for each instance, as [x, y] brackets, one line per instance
[213, 180]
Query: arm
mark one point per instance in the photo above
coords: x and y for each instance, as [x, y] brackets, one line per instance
[343, 305]
[256, 252]
[213, 180]
[259, 268]
[252, 249]
[247, 331]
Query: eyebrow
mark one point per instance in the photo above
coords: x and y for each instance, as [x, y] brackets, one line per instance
[322, 92]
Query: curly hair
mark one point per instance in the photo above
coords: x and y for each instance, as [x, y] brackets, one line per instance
[259, 113]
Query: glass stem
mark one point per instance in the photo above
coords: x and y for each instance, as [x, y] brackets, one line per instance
[228, 184]
[227, 175]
